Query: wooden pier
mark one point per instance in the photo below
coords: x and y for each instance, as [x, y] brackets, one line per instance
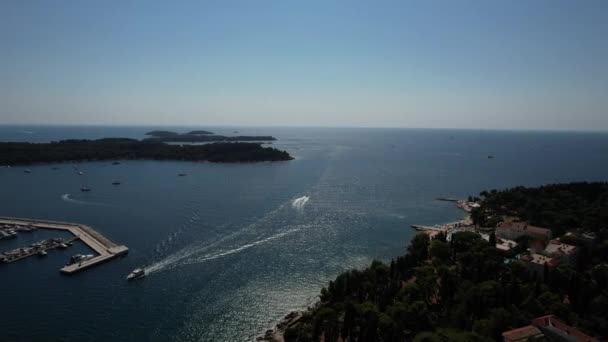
[105, 248]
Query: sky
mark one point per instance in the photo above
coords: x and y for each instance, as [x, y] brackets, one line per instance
[508, 64]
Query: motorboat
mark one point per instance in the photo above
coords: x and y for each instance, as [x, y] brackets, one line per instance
[78, 258]
[182, 174]
[27, 170]
[42, 253]
[115, 183]
[85, 189]
[136, 274]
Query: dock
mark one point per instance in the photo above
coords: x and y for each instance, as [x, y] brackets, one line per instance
[105, 248]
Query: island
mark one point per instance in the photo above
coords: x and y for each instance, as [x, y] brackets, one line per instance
[14, 153]
[161, 133]
[533, 265]
[203, 136]
[199, 132]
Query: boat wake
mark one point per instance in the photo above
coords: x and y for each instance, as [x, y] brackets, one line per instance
[300, 202]
[234, 242]
[238, 249]
[187, 256]
[70, 199]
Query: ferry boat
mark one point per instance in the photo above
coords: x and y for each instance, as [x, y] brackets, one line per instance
[136, 274]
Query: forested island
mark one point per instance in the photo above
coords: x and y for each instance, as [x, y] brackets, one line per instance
[203, 136]
[549, 284]
[13, 153]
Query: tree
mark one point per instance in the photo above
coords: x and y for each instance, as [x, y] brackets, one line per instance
[492, 239]
[419, 248]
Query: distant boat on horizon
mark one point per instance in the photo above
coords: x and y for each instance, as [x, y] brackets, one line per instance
[84, 189]
[115, 183]
[182, 174]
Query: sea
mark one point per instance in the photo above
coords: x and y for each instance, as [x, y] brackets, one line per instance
[230, 249]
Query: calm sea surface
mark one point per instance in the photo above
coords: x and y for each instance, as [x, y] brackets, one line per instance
[231, 248]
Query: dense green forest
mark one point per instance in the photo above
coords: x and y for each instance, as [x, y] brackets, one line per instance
[465, 289]
[558, 207]
[12, 153]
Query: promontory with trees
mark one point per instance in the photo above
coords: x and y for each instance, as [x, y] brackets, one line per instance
[463, 287]
[12, 153]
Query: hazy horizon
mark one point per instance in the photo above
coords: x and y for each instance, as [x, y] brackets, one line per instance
[512, 65]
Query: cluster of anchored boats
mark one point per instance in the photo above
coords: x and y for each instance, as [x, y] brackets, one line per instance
[40, 248]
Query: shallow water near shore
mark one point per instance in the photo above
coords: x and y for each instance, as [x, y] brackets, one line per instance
[232, 248]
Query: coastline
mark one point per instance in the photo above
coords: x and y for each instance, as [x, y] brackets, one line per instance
[275, 334]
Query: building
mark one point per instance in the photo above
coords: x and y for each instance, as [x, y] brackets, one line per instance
[535, 263]
[547, 328]
[513, 230]
[523, 334]
[556, 330]
[564, 252]
[504, 244]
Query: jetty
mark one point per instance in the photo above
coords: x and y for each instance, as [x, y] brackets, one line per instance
[105, 249]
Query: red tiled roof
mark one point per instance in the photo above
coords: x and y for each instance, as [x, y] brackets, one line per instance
[553, 321]
[521, 333]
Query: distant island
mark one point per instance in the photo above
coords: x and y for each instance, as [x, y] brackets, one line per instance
[200, 132]
[203, 136]
[531, 266]
[13, 153]
[161, 133]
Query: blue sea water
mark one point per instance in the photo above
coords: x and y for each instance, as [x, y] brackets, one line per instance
[231, 248]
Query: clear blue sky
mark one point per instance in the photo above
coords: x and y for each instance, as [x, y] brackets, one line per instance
[467, 64]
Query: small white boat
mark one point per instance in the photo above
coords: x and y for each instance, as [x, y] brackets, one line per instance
[27, 170]
[80, 173]
[136, 274]
[42, 253]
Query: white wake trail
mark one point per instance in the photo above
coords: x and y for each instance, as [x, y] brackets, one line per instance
[300, 202]
[189, 251]
[238, 249]
[68, 198]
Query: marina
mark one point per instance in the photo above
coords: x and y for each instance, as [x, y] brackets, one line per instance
[39, 248]
[103, 247]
